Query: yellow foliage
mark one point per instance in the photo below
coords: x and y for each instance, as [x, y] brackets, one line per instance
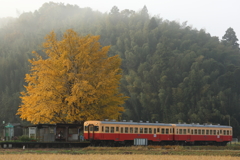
[77, 82]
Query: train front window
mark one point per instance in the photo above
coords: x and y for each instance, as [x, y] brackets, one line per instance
[86, 128]
[203, 131]
[228, 133]
[214, 132]
[224, 132]
[207, 132]
[91, 128]
[96, 128]
[141, 130]
[158, 130]
[210, 132]
[188, 130]
[155, 131]
[121, 129]
[117, 129]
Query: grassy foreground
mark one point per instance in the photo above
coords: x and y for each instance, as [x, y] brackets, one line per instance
[110, 157]
[232, 150]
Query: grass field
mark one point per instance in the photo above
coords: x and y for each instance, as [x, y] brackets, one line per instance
[133, 152]
[110, 157]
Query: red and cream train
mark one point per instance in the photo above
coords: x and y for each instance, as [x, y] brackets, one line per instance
[114, 133]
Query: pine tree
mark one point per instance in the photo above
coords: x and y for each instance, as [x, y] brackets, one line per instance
[230, 38]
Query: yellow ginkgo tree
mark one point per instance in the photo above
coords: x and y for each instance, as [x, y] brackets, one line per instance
[76, 82]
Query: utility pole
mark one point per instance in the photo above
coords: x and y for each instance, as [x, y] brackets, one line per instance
[229, 120]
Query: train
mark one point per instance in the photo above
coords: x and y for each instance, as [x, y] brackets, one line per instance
[113, 133]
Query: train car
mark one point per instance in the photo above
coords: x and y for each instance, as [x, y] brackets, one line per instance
[112, 133]
[205, 134]
[124, 133]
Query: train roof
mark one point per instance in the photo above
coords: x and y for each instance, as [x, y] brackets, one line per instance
[160, 124]
[202, 125]
[133, 123]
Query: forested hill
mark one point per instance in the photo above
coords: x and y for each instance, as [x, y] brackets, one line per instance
[171, 72]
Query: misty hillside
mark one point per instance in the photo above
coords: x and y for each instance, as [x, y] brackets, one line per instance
[171, 72]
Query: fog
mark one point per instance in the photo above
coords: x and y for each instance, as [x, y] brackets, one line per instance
[215, 16]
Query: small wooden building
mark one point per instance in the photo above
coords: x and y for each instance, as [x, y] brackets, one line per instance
[54, 132]
[12, 130]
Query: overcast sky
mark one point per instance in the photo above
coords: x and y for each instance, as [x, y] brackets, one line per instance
[215, 16]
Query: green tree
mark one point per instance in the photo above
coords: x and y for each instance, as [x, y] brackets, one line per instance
[230, 38]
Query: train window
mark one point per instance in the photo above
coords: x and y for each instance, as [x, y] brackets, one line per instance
[112, 129]
[154, 131]
[217, 132]
[86, 128]
[126, 129]
[220, 131]
[150, 130]
[141, 130]
[145, 130]
[176, 131]
[102, 128]
[207, 132]
[203, 131]
[173, 130]
[136, 130]
[162, 131]
[96, 128]
[214, 132]
[195, 131]
[121, 129]
[91, 128]
[224, 132]
[117, 129]
[230, 133]
[184, 131]
[170, 131]
[199, 131]
[227, 132]
[167, 131]
[188, 130]
[131, 130]
[106, 129]
[158, 130]
[210, 132]
[180, 131]
[192, 131]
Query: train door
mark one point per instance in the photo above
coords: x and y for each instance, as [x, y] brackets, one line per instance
[219, 138]
[91, 132]
[117, 135]
[188, 135]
